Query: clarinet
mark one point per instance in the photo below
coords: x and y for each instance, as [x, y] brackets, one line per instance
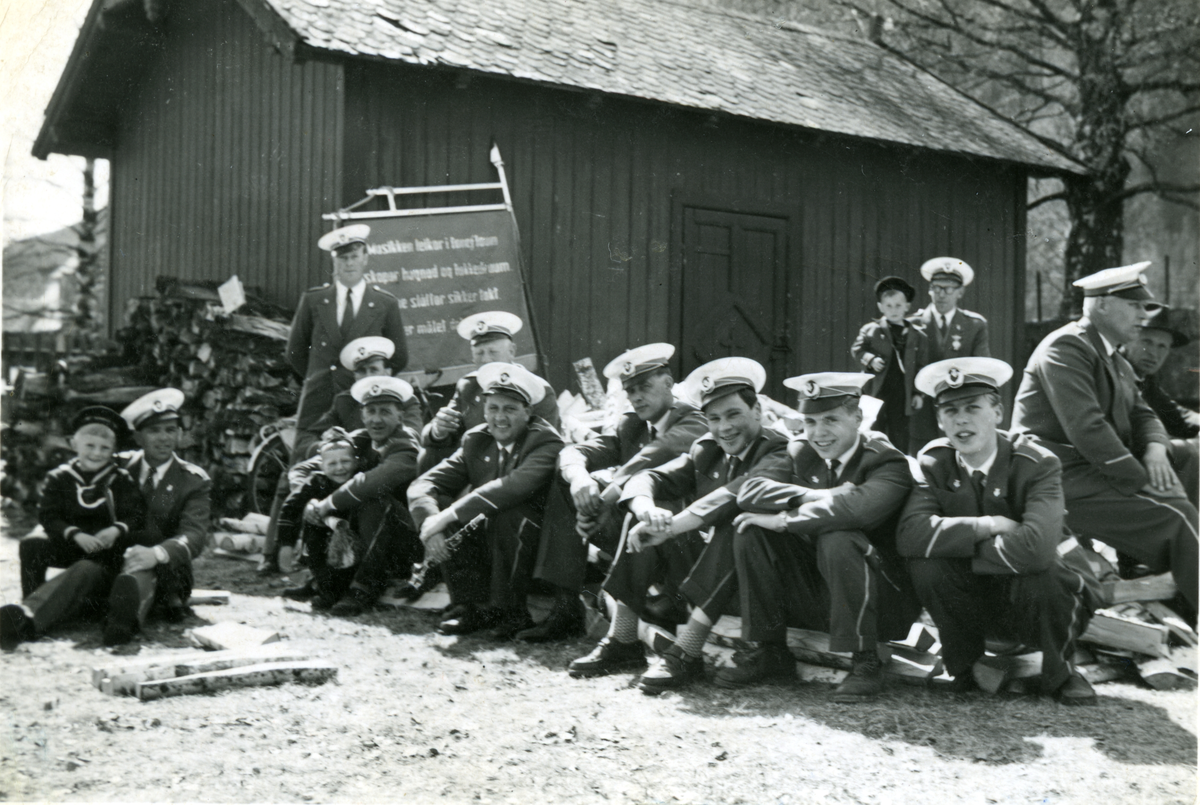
[417, 579]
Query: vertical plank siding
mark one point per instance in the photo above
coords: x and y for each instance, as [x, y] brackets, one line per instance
[226, 159]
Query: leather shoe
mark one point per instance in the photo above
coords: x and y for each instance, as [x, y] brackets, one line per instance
[1075, 691]
[565, 620]
[673, 670]
[608, 657]
[865, 679]
[511, 623]
[15, 627]
[758, 662]
[302, 593]
[355, 602]
[472, 619]
[122, 622]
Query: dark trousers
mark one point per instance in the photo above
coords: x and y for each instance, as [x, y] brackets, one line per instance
[836, 582]
[389, 548]
[82, 590]
[302, 449]
[1160, 533]
[494, 565]
[666, 565]
[1185, 460]
[562, 552]
[1040, 610]
[39, 554]
[712, 585]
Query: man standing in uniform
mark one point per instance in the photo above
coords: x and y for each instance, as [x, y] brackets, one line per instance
[329, 317]
[507, 464]
[952, 331]
[1079, 398]
[659, 428]
[832, 528]
[490, 335]
[668, 549]
[984, 534]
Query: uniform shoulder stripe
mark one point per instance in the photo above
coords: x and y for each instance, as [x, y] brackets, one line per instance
[194, 469]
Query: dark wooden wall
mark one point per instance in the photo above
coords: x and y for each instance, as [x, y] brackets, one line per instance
[226, 159]
[600, 185]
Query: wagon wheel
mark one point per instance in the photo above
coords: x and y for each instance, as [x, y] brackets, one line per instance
[269, 462]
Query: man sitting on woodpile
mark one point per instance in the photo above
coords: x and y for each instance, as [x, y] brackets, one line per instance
[1147, 353]
[490, 335]
[669, 549]
[507, 464]
[984, 531]
[659, 429]
[1079, 399]
[820, 550]
[384, 541]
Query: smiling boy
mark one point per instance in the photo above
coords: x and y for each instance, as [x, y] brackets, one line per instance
[988, 551]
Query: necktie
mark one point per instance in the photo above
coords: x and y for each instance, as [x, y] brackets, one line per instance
[148, 486]
[502, 465]
[650, 431]
[833, 473]
[978, 482]
[347, 314]
[733, 463]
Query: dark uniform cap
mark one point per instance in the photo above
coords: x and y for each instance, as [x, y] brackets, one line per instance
[1125, 282]
[956, 378]
[636, 362]
[365, 348]
[895, 284]
[824, 391]
[98, 415]
[724, 376]
[479, 328]
[345, 236]
[512, 379]
[947, 268]
[381, 387]
[1169, 321]
[161, 405]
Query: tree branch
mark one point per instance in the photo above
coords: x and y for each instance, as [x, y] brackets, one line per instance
[1046, 200]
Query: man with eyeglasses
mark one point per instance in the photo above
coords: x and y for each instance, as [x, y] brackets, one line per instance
[951, 331]
[1079, 398]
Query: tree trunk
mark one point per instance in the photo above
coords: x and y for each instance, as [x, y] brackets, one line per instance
[86, 318]
[1097, 237]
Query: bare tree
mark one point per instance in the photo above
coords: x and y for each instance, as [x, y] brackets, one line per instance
[1103, 82]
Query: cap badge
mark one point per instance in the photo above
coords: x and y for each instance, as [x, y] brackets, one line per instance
[362, 352]
[504, 377]
[627, 368]
[706, 383]
[954, 377]
[158, 405]
[811, 388]
[375, 389]
[481, 326]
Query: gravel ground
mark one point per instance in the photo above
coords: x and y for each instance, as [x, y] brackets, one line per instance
[417, 717]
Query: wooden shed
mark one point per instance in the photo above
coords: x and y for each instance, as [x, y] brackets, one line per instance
[725, 182]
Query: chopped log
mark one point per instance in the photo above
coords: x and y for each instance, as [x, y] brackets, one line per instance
[260, 326]
[122, 684]
[909, 670]
[243, 543]
[250, 524]
[919, 639]
[133, 665]
[1109, 629]
[992, 673]
[1170, 673]
[1169, 618]
[230, 635]
[1105, 671]
[271, 673]
[806, 645]
[243, 557]
[208, 597]
[1149, 588]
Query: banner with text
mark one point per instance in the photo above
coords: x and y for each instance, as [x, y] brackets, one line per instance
[443, 268]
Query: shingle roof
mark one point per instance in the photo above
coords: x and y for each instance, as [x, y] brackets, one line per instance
[700, 57]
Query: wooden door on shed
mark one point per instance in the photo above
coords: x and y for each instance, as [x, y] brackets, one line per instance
[734, 291]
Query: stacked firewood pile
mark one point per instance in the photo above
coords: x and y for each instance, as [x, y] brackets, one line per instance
[231, 367]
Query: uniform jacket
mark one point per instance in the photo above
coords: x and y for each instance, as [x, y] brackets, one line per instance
[475, 464]
[1085, 407]
[1169, 412]
[346, 413]
[315, 344]
[468, 401]
[383, 470]
[942, 517]
[178, 511]
[291, 515]
[700, 477]
[73, 500]
[628, 448]
[875, 340]
[967, 336]
[868, 495]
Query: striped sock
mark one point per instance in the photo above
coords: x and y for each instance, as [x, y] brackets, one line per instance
[691, 636]
[624, 625]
